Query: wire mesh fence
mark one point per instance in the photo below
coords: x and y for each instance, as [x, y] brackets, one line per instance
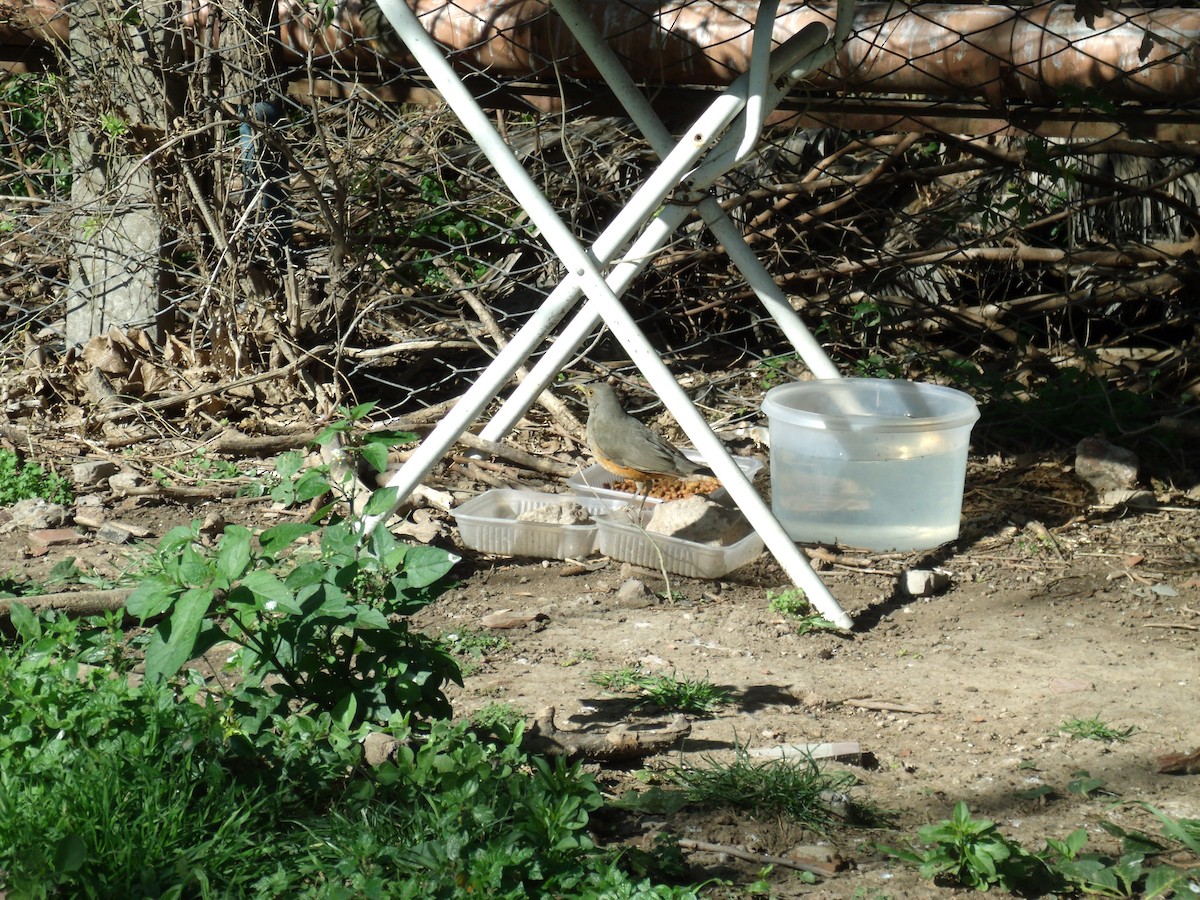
[325, 229]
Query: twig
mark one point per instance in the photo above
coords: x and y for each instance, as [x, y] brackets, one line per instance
[207, 391]
[1171, 625]
[542, 464]
[620, 744]
[884, 706]
[72, 603]
[817, 868]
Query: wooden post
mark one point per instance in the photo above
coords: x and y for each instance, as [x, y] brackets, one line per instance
[121, 103]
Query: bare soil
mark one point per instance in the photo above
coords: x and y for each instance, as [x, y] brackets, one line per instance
[1057, 609]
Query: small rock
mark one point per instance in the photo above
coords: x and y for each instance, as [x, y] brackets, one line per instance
[113, 533]
[1105, 466]
[634, 594]
[925, 582]
[1139, 499]
[213, 525]
[37, 513]
[124, 482]
[699, 520]
[379, 748]
[93, 473]
[90, 511]
[42, 539]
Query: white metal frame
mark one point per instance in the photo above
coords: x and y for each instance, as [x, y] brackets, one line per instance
[721, 137]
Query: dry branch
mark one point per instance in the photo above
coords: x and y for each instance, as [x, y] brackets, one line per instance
[78, 603]
[619, 745]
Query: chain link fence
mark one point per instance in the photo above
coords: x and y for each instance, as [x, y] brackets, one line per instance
[327, 231]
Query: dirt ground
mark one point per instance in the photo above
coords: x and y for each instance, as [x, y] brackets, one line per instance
[1057, 609]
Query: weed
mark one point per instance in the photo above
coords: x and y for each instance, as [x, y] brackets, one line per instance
[476, 644]
[500, 719]
[686, 695]
[110, 786]
[25, 480]
[794, 788]
[973, 852]
[794, 604]
[199, 469]
[775, 369]
[620, 680]
[333, 629]
[698, 696]
[1095, 729]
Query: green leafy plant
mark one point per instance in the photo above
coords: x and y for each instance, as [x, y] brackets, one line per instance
[501, 719]
[698, 696]
[330, 626]
[794, 605]
[775, 369]
[476, 644]
[972, 852]
[1095, 729]
[111, 786]
[25, 480]
[199, 468]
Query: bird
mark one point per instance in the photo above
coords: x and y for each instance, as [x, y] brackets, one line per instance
[627, 448]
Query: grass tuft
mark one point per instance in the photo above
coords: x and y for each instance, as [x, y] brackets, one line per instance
[1095, 729]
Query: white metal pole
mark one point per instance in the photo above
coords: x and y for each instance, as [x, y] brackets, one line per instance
[583, 266]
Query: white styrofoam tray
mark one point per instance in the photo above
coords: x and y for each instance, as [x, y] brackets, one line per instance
[488, 523]
[621, 539]
[594, 481]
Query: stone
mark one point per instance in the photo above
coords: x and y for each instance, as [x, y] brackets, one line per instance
[37, 513]
[699, 520]
[124, 482]
[1139, 499]
[92, 473]
[1105, 466]
[113, 533]
[43, 538]
[925, 582]
[379, 748]
[633, 594]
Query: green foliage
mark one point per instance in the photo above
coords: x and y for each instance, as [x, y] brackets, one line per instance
[974, 853]
[666, 692]
[116, 787]
[105, 783]
[333, 627]
[503, 720]
[33, 148]
[1095, 729]
[330, 627]
[476, 644]
[199, 468]
[797, 789]
[793, 604]
[24, 480]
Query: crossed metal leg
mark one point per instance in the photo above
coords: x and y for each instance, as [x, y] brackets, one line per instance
[761, 88]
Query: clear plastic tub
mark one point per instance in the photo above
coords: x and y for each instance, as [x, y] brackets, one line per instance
[620, 539]
[488, 523]
[868, 462]
[595, 480]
